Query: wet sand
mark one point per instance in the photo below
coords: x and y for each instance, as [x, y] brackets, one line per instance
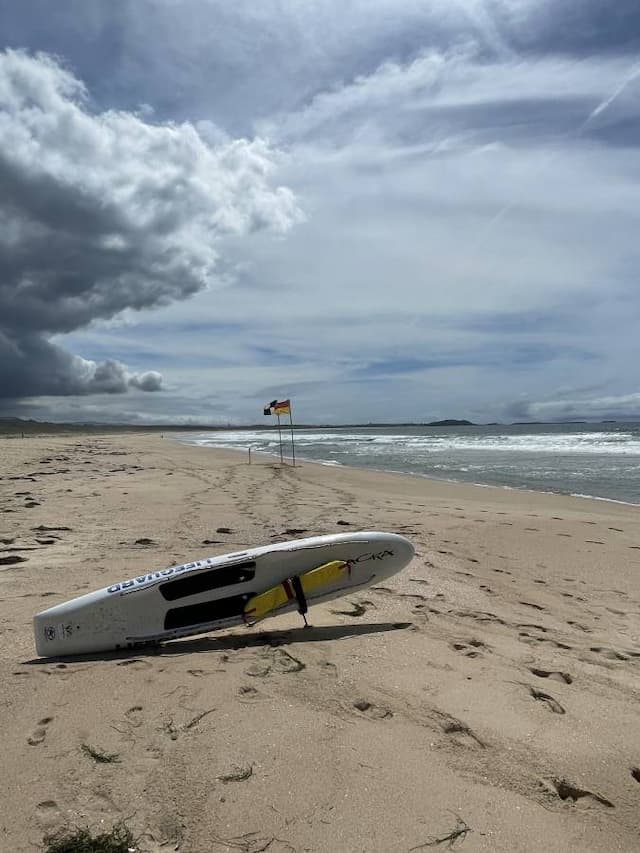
[486, 698]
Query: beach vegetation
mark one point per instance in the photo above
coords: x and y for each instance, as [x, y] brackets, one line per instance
[117, 840]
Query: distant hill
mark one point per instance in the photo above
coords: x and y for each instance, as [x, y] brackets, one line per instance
[12, 426]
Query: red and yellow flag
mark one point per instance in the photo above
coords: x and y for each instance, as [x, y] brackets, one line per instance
[282, 407]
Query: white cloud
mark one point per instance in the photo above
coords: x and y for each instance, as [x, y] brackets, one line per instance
[104, 212]
[442, 87]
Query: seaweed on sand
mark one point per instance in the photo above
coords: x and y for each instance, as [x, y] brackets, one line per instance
[118, 840]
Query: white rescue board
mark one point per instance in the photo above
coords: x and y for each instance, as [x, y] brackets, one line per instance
[219, 592]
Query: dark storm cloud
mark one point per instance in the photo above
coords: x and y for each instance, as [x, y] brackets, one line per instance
[104, 212]
[31, 366]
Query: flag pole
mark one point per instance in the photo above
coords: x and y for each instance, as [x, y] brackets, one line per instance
[293, 447]
[280, 437]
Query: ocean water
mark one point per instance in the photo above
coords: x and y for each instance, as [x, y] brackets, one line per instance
[592, 460]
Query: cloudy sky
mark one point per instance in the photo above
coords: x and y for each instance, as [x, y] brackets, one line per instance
[383, 209]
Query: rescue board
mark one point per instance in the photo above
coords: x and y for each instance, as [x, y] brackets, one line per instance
[220, 592]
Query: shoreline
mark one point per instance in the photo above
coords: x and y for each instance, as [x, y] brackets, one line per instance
[429, 477]
[494, 679]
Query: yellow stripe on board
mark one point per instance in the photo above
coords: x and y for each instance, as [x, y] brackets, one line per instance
[276, 597]
[260, 605]
[323, 575]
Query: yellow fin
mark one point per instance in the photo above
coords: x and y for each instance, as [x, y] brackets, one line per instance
[260, 605]
[277, 596]
[323, 575]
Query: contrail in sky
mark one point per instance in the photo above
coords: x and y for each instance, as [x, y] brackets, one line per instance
[602, 106]
[635, 72]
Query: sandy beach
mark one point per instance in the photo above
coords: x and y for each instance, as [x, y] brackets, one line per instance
[486, 699]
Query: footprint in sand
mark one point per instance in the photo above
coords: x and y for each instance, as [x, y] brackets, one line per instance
[556, 675]
[470, 648]
[525, 637]
[460, 732]
[579, 626]
[48, 814]
[478, 616]
[611, 654]
[275, 660]
[358, 608]
[134, 716]
[375, 712]
[571, 793]
[552, 704]
[329, 667]
[12, 560]
[38, 735]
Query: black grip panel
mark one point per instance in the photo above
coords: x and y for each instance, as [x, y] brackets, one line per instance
[208, 611]
[192, 584]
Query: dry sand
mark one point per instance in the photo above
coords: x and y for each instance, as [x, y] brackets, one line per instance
[503, 713]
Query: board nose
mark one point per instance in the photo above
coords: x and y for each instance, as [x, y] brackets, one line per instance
[404, 547]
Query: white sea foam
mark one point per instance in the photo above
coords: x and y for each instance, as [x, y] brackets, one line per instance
[597, 498]
[591, 462]
[374, 444]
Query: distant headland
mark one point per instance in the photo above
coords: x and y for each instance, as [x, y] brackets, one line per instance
[12, 426]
